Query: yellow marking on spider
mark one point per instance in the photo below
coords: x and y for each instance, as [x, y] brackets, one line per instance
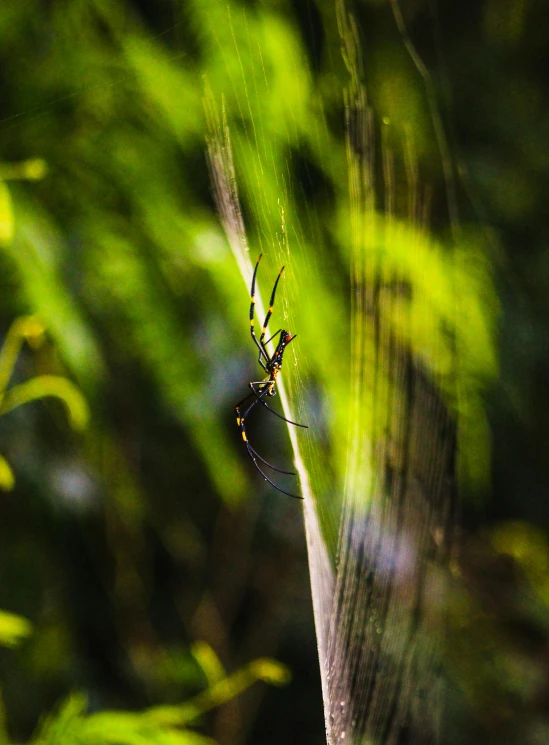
[251, 321]
[244, 437]
[238, 421]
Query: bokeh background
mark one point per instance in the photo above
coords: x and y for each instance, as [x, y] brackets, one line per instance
[128, 541]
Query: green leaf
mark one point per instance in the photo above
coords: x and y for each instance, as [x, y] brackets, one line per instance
[49, 385]
[13, 629]
[6, 215]
[7, 479]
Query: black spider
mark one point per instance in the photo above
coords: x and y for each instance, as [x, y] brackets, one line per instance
[267, 386]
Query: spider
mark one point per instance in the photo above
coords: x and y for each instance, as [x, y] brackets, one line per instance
[266, 387]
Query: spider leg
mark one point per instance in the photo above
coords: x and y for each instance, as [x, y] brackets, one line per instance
[272, 483]
[261, 401]
[264, 346]
[240, 417]
[260, 360]
[273, 336]
[271, 305]
[251, 452]
[263, 356]
[254, 451]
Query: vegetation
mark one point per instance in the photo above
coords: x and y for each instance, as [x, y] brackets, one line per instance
[148, 576]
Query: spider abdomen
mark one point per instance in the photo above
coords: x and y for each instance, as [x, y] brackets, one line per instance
[275, 363]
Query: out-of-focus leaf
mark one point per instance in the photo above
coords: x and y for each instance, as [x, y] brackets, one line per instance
[528, 545]
[268, 670]
[61, 726]
[28, 328]
[271, 671]
[13, 629]
[6, 215]
[7, 479]
[34, 169]
[49, 385]
[209, 662]
[29, 170]
[36, 253]
[161, 725]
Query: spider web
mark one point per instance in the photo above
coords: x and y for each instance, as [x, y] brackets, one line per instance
[225, 188]
[379, 533]
[378, 609]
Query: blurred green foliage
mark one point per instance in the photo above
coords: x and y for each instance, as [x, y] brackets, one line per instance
[149, 530]
[162, 724]
[30, 329]
[13, 629]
